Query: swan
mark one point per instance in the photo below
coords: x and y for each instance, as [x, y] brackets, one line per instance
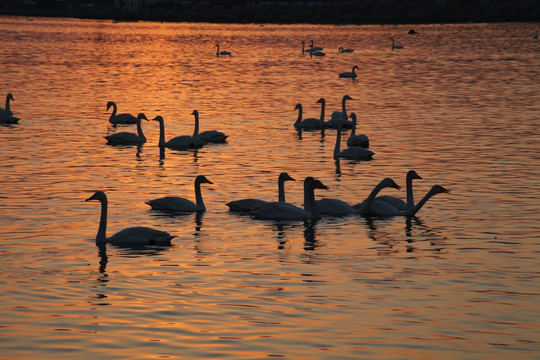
[183, 142]
[351, 153]
[535, 36]
[127, 138]
[360, 140]
[287, 211]
[310, 123]
[384, 208]
[133, 236]
[341, 50]
[245, 205]
[222, 53]
[364, 206]
[350, 75]
[6, 115]
[209, 136]
[340, 117]
[120, 118]
[178, 204]
[397, 202]
[314, 48]
[396, 46]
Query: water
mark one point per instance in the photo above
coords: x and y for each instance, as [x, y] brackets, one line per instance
[459, 104]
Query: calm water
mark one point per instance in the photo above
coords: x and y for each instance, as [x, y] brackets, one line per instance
[459, 104]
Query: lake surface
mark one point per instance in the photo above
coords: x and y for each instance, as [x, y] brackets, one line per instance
[459, 104]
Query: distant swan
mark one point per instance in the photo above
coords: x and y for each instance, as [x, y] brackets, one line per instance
[350, 75]
[341, 50]
[209, 136]
[183, 142]
[535, 36]
[133, 236]
[120, 118]
[182, 205]
[245, 205]
[127, 138]
[360, 140]
[310, 123]
[314, 48]
[351, 153]
[222, 53]
[396, 46]
[287, 211]
[6, 115]
[397, 202]
[340, 117]
[364, 208]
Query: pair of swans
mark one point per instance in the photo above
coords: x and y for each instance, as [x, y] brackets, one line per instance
[312, 50]
[352, 152]
[116, 119]
[340, 118]
[350, 75]
[176, 204]
[222, 52]
[6, 115]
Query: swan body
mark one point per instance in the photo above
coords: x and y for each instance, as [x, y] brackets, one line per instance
[133, 236]
[341, 50]
[246, 205]
[116, 119]
[351, 153]
[340, 117]
[6, 115]
[359, 140]
[351, 74]
[222, 53]
[310, 123]
[397, 202]
[334, 207]
[177, 204]
[396, 46]
[183, 142]
[127, 138]
[535, 36]
[364, 208]
[209, 136]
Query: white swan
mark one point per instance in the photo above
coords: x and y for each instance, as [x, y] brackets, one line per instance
[127, 138]
[133, 236]
[351, 74]
[342, 50]
[6, 115]
[178, 204]
[209, 136]
[340, 117]
[310, 123]
[116, 119]
[396, 46]
[351, 153]
[287, 211]
[245, 205]
[364, 207]
[384, 208]
[183, 142]
[397, 202]
[360, 140]
[222, 53]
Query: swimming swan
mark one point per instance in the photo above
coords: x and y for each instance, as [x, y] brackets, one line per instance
[364, 208]
[120, 118]
[310, 123]
[397, 202]
[351, 153]
[209, 136]
[222, 53]
[6, 115]
[133, 236]
[360, 140]
[396, 46]
[350, 75]
[245, 205]
[183, 142]
[341, 50]
[182, 205]
[127, 138]
[340, 117]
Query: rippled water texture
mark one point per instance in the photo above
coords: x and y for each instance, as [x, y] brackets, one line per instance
[459, 104]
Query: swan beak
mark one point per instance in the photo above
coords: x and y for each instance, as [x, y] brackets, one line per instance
[444, 190]
[90, 198]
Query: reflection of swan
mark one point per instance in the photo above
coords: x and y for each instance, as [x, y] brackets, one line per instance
[120, 118]
[127, 138]
[350, 75]
[222, 53]
[182, 142]
[209, 136]
[341, 50]
[179, 204]
[133, 236]
[310, 123]
[245, 205]
[397, 202]
[287, 211]
[384, 208]
[364, 206]
[360, 140]
[351, 153]
[340, 117]
[396, 46]
[6, 115]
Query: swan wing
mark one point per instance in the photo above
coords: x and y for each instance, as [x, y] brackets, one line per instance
[394, 201]
[173, 204]
[358, 140]
[124, 138]
[334, 207]
[281, 211]
[311, 124]
[334, 122]
[123, 119]
[357, 153]
[140, 236]
[245, 205]
[8, 119]
[212, 136]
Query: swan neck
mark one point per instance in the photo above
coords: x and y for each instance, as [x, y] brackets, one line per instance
[161, 133]
[309, 201]
[113, 110]
[7, 102]
[196, 130]
[353, 130]
[337, 148]
[299, 119]
[367, 203]
[281, 190]
[323, 105]
[412, 211]
[198, 197]
[101, 234]
[139, 129]
[410, 196]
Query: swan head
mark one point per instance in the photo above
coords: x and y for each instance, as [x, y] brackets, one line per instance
[284, 177]
[438, 189]
[413, 175]
[10, 96]
[355, 67]
[98, 195]
[389, 182]
[158, 118]
[317, 184]
[195, 112]
[201, 179]
[109, 104]
[347, 97]
[353, 118]
[320, 101]
[141, 116]
[298, 106]
[340, 49]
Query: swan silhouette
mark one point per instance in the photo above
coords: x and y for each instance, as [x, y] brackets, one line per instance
[310, 123]
[287, 211]
[6, 115]
[342, 50]
[334, 207]
[364, 208]
[360, 140]
[340, 117]
[127, 138]
[116, 119]
[209, 136]
[397, 202]
[183, 142]
[177, 204]
[314, 48]
[245, 205]
[396, 46]
[351, 153]
[351, 74]
[133, 236]
[222, 53]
